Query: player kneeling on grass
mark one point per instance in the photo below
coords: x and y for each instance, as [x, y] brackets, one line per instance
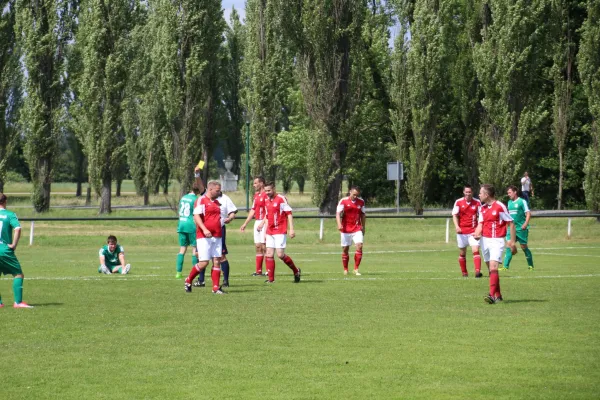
[350, 217]
[10, 233]
[112, 258]
[493, 220]
[278, 218]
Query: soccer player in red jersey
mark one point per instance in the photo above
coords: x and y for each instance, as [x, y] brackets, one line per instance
[258, 212]
[279, 217]
[465, 215]
[207, 215]
[350, 217]
[493, 220]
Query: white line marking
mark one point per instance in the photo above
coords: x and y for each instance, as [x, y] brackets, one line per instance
[567, 255]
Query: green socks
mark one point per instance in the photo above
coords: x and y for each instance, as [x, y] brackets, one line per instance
[180, 262]
[18, 290]
[507, 257]
[194, 260]
[529, 257]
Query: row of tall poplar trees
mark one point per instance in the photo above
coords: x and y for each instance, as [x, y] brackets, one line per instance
[471, 91]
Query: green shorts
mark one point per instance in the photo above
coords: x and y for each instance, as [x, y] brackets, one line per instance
[187, 239]
[9, 265]
[522, 236]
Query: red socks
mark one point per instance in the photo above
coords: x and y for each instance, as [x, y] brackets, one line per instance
[477, 262]
[259, 262]
[271, 268]
[495, 284]
[288, 261]
[193, 273]
[216, 276]
[357, 259]
[345, 259]
[462, 261]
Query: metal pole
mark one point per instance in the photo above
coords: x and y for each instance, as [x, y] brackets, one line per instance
[398, 186]
[31, 234]
[321, 229]
[569, 229]
[247, 166]
[447, 230]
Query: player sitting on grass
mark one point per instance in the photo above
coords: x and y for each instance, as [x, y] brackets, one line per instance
[112, 258]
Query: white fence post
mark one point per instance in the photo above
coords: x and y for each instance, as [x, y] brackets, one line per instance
[321, 230]
[31, 233]
[447, 230]
[569, 229]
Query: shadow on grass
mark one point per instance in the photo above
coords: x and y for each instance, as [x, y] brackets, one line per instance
[47, 304]
[524, 301]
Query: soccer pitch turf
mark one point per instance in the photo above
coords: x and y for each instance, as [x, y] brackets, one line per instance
[409, 327]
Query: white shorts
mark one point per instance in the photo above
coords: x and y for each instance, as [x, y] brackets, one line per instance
[466, 240]
[209, 248]
[276, 241]
[492, 249]
[348, 238]
[260, 236]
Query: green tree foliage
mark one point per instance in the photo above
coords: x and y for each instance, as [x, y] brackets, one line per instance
[186, 63]
[268, 70]
[589, 69]
[508, 62]
[10, 88]
[44, 28]
[235, 36]
[103, 42]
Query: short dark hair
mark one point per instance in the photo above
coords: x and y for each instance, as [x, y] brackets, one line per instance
[489, 189]
[513, 188]
[270, 183]
[196, 189]
[3, 198]
[111, 238]
[354, 187]
[260, 178]
[467, 186]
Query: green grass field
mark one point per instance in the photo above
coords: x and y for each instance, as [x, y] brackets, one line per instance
[410, 327]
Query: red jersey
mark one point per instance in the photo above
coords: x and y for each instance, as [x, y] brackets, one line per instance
[468, 214]
[258, 205]
[351, 212]
[277, 211]
[494, 218]
[210, 213]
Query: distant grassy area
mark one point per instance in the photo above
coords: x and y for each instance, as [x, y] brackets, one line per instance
[63, 194]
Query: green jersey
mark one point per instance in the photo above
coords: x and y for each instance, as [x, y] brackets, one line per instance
[518, 210]
[111, 259]
[8, 222]
[186, 215]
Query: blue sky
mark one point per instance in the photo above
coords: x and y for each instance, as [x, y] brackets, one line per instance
[240, 6]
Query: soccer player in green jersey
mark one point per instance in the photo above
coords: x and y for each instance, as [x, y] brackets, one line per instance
[519, 211]
[112, 258]
[186, 229]
[10, 233]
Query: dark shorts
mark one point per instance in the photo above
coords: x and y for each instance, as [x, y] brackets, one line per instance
[522, 236]
[224, 230]
[9, 265]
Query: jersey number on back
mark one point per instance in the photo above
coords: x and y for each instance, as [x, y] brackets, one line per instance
[184, 210]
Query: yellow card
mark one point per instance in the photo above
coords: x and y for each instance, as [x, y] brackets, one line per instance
[201, 164]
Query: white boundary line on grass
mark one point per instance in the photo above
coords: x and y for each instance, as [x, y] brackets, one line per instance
[349, 279]
[567, 255]
[436, 250]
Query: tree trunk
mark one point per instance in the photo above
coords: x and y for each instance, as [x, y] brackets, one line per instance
[166, 183]
[300, 181]
[78, 190]
[105, 207]
[1, 186]
[146, 197]
[119, 183]
[41, 185]
[88, 196]
[560, 177]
